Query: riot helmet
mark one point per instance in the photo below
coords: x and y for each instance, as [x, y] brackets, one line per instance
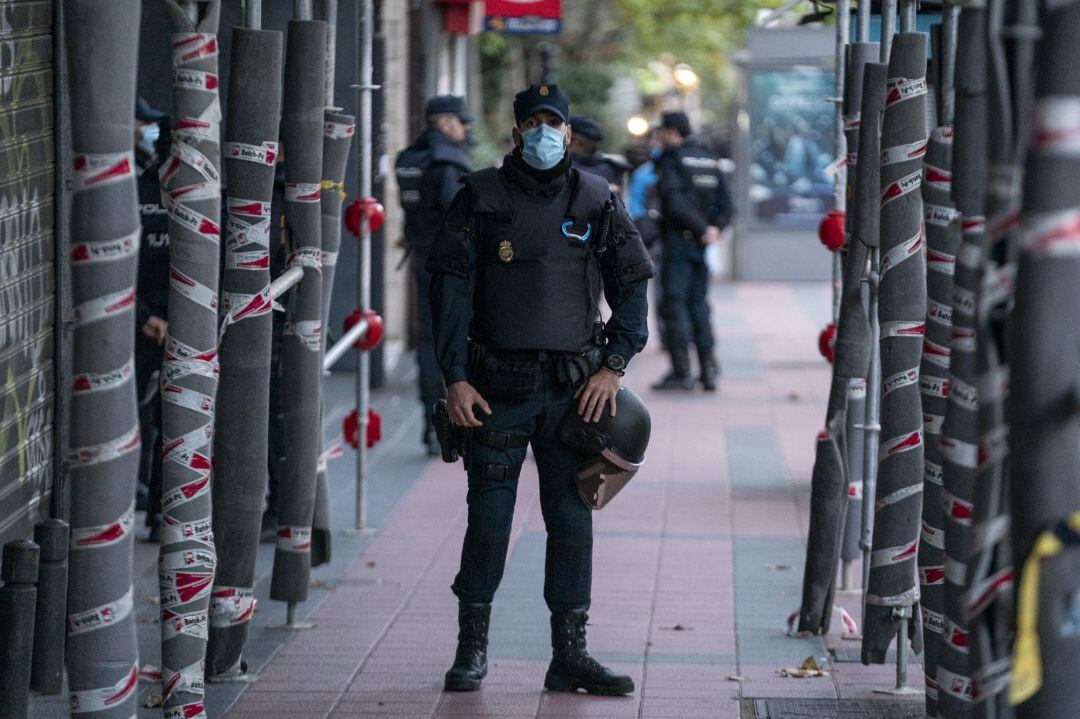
[614, 447]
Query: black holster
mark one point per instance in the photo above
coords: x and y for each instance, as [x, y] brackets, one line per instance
[453, 440]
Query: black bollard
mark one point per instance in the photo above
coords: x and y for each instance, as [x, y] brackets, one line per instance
[47, 663]
[17, 597]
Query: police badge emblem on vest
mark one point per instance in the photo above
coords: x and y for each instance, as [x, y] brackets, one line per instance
[506, 251]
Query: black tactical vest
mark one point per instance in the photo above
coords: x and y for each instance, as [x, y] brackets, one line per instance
[417, 191]
[701, 169]
[538, 283]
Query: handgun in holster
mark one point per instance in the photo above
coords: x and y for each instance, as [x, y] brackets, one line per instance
[453, 440]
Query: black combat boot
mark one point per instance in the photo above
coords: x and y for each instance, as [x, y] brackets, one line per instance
[571, 666]
[470, 662]
[710, 370]
[679, 377]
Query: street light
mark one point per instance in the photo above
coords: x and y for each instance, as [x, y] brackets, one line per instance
[637, 126]
[685, 78]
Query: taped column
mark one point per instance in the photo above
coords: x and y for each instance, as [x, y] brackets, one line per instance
[942, 243]
[338, 131]
[102, 653]
[301, 343]
[829, 493]
[902, 312]
[1044, 409]
[859, 54]
[959, 436]
[251, 153]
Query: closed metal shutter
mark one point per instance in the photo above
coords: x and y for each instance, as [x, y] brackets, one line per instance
[27, 277]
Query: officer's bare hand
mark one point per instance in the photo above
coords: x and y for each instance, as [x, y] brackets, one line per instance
[155, 329]
[599, 391]
[461, 398]
[711, 236]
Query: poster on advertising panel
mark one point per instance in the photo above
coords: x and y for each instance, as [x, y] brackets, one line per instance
[791, 132]
[523, 17]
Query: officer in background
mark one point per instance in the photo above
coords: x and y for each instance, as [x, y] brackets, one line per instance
[696, 207]
[428, 175]
[585, 147]
[519, 264]
[151, 308]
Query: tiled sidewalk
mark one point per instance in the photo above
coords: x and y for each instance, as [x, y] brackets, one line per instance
[697, 563]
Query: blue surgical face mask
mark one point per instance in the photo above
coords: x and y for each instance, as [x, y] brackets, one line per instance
[543, 147]
[150, 134]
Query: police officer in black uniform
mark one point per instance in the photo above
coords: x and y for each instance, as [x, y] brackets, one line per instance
[522, 257]
[585, 147]
[696, 207]
[428, 174]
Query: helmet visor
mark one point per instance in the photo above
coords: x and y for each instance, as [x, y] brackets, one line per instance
[602, 477]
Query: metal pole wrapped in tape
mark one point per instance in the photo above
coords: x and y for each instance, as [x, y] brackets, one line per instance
[854, 326]
[902, 313]
[843, 34]
[191, 194]
[959, 434]
[337, 139]
[251, 153]
[942, 243]
[102, 655]
[866, 231]
[988, 600]
[301, 344]
[1044, 403]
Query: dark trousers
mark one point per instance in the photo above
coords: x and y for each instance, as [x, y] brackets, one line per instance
[493, 479]
[148, 360]
[432, 386]
[684, 305]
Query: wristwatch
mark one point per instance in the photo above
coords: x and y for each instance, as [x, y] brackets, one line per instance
[615, 363]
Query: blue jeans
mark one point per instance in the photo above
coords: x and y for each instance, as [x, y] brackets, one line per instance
[493, 479]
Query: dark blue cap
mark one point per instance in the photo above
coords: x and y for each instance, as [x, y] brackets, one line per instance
[541, 97]
[449, 105]
[587, 127]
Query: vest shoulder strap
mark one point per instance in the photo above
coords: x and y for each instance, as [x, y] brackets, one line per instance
[591, 193]
[489, 193]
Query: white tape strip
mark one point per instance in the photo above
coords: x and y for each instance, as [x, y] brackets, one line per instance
[934, 386]
[963, 454]
[173, 531]
[937, 178]
[309, 332]
[1056, 125]
[87, 383]
[188, 399]
[957, 685]
[903, 153]
[940, 215]
[86, 701]
[329, 259]
[238, 306]
[294, 539]
[900, 379]
[930, 576]
[963, 394]
[855, 489]
[100, 169]
[104, 535]
[90, 253]
[186, 492]
[1053, 234]
[933, 423]
[100, 308]
[933, 473]
[994, 384]
[943, 134]
[194, 710]
[898, 496]
[955, 636]
[188, 560]
[185, 79]
[187, 585]
[106, 615]
[191, 624]
[338, 130]
[184, 448]
[956, 509]
[263, 154]
[955, 571]
[93, 454]
[911, 247]
[905, 599]
[901, 89]
[307, 192]
[994, 446]
[255, 260]
[898, 445]
[935, 622]
[182, 153]
[937, 261]
[190, 679]
[894, 555]
[962, 339]
[306, 257]
[192, 289]
[239, 233]
[934, 536]
[899, 188]
[192, 220]
[254, 209]
[231, 606]
[903, 328]
[187, 47]
[982, 593]
[963, 300]
[939, 312]
[935, 353]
